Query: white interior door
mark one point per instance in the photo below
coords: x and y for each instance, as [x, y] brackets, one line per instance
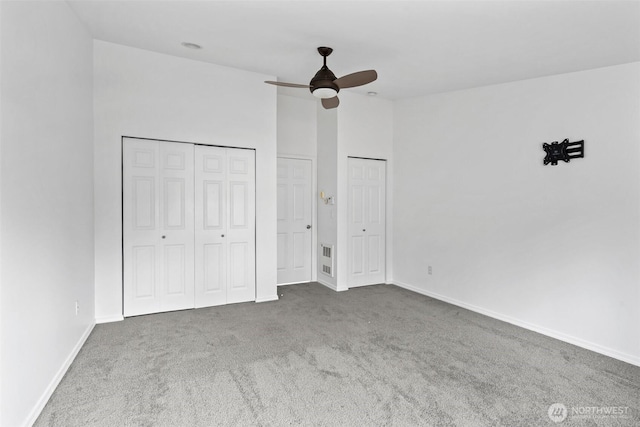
[366, 227]
[294, 221]
[157, 226]
[225, 226]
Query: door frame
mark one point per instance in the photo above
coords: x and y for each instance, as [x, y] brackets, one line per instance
[314, 211]
[122, 260]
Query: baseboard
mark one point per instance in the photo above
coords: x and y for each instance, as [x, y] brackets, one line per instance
[628, 358]
[267, 299]
[332, 286]
[109, 319]
[293, 283]
[35, 412]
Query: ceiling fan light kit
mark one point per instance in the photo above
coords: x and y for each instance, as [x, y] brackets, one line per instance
[324, 92]
[325, 86]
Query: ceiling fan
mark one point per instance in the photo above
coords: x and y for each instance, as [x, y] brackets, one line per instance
[325, 85]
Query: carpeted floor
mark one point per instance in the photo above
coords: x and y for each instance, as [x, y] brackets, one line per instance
[378, 355]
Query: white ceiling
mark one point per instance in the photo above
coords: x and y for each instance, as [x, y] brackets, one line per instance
[417, 47]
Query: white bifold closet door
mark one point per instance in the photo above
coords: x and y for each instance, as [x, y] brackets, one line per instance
[158, 226]
[225, 226]
[366, 226]
[188, 226]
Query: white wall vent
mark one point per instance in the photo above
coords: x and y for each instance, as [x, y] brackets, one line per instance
[326, 259]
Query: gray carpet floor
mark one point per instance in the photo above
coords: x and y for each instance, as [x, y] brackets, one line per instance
[378, 355]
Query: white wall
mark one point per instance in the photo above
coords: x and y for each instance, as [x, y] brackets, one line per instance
[47, 201]
[365, 129]
[551, 248]
[144, 94]
[297, 126]
[328, 182]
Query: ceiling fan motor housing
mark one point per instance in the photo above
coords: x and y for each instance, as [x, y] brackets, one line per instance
[322, 85]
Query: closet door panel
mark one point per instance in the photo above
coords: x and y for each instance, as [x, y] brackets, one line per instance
[210, 229]
[140, 227]
[157, 226]
[366, 226]
[241, 227]
[177, 222]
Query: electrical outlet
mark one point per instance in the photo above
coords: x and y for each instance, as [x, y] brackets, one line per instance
[429, 270]
[77, 307]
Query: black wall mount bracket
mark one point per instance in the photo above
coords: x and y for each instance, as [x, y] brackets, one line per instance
[564, 151]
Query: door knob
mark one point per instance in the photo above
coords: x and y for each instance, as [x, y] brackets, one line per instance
[164, 237]
[222, 235]
[308, 227]
[364, 229]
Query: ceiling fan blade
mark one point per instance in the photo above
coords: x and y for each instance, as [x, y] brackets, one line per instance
[329, 103]
[356, 79]
[287, 84]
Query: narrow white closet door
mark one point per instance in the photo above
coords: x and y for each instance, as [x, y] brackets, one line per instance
[225, 226]
[366, 227]
[141, 232]
[176, 226]
[210, 227]
[241, 225]
[157, 226]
